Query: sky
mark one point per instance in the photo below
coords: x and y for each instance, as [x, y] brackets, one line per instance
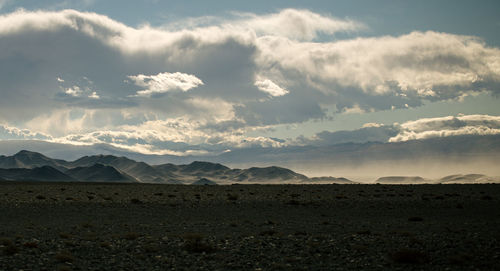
[209, 77]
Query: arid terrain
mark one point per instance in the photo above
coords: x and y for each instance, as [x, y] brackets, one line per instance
[90, 226]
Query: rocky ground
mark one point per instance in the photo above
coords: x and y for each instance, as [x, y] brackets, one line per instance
[249, 227]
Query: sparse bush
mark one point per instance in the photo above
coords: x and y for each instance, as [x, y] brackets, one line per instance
[151, 248]
[131, 235]
[9, 248]
[64, 268]
[415, 219]
[409, 256]
[30, 245]
[268, 233]
[105, 245]
[87, 225]
[195, 243]
[64, 257]
[136, 201]
[232, 197]
[460, 259]
[65, 235]
[40, 197]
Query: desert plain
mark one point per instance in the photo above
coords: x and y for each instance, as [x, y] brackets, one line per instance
[95, 226]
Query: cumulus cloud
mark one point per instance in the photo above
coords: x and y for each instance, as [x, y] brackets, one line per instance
[163, 82]
[75, 73]
[404, 70]
[173, 137]
[270, 87]
[448, 126]
[296, 24]
[94, 95]
[74, 91]
[13, 133]
[412, 130]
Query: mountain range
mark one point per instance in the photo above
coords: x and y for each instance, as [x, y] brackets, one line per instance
[365, 162]
[33, 166]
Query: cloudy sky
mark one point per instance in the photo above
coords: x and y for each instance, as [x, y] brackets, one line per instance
[208, 77]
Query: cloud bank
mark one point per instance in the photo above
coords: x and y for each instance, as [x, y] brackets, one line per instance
[83, 78]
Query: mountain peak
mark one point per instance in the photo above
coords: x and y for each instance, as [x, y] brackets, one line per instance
[28, 153]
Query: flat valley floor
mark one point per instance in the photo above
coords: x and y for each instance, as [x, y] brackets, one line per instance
[77, 226]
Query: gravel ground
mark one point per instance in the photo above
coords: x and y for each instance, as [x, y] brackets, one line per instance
[249, 227]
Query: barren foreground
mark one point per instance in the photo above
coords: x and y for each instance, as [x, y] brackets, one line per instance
[249, 227]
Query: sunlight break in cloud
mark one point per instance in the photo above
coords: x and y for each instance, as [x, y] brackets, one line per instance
[164, 82]
[270, 88]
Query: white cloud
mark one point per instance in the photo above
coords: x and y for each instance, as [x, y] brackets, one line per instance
[448, 126]
[270, 88]
[74, 91]
[415, 67]
[94, 95]
[296, 24]
[13, 133]
[164, 82]
[372, 124]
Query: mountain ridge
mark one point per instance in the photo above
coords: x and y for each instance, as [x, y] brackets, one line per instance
[25, 165]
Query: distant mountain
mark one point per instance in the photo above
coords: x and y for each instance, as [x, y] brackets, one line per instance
[42, 174]
[32, 166]
[198, 166]
[139, 170]
[27, 159]
[279, 174]
[318, 180]
[469, 178]
[99, 173]
[27, 165]
[360, 161]
[204, 181]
